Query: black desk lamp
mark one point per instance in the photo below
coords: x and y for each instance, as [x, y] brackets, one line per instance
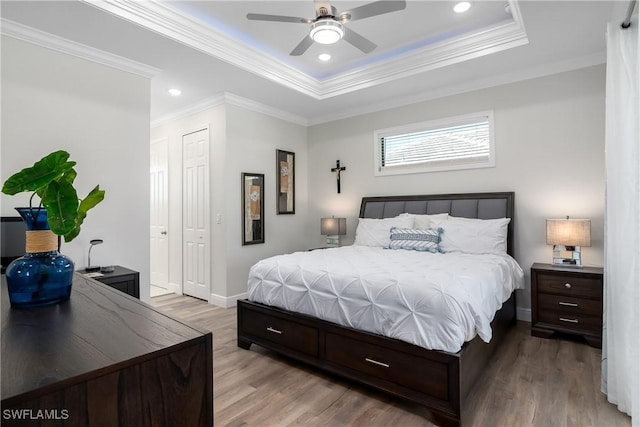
[92, 243]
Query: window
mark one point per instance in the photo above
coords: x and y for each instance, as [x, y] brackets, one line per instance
[462, 142]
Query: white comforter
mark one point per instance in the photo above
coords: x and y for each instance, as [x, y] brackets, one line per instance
[436, 301]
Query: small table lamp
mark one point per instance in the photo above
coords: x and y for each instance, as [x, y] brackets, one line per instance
[333, 228]
[90, 267]
[566, 236]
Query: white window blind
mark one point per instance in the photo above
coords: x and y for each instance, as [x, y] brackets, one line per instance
[449, 144]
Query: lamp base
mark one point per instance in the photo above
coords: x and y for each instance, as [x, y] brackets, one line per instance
[333, 241]
[566, 256]
[91, 269]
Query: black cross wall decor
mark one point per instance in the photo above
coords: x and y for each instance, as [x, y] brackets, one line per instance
[337, 171]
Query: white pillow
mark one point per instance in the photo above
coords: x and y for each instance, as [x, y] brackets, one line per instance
[474, 236]
[377, 232]
[427, 221]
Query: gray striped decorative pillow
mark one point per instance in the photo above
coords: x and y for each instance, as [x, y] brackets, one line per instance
[416, 239]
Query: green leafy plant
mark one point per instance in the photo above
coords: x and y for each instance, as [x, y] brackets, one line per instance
[51, 179]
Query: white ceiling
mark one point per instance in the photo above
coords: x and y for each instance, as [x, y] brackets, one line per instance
[209, 48]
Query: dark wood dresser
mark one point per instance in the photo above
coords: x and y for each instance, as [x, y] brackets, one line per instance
[567, 300]
[103, 359]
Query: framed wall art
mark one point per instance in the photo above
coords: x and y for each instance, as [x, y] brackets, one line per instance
[285, 182]
[252, 208]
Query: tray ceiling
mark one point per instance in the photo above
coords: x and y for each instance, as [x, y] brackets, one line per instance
[210, 49]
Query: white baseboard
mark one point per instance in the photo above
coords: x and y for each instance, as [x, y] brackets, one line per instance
[175, 288]
[226, 302]
[523, 314]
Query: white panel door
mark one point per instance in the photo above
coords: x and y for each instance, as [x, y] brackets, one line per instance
[196, 249]
[158, 173]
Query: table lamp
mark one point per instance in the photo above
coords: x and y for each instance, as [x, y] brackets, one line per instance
[333, 228]
[567, 236]
[90, 267]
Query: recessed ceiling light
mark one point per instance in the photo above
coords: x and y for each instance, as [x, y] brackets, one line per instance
[175, 92]
[463, 6]
[324, 57]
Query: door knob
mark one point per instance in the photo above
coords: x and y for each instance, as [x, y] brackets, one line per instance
[164, 233]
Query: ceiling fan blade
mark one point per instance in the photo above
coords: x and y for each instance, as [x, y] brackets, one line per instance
[277, 18]
[372, 9]
[302, 46]
[358, 41]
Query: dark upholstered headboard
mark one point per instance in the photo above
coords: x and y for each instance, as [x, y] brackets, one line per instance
[469, 205]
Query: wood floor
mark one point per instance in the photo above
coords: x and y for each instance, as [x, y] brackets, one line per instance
[531, 382]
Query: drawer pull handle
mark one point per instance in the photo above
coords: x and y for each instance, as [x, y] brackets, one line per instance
[564, 319]
[375, 362]
[568, 304]
[567, 285]
[275, 331]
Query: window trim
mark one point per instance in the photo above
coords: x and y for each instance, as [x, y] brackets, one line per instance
[378, 170]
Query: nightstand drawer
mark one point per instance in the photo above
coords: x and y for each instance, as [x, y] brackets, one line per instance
[570, 285]
[568, 304]
[572, 321]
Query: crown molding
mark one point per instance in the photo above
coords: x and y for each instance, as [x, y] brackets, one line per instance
[258, 107]
[498, 80]
[463, 48]
[162, 18]
[168, 21]
[196, 108]
[227, 98]
[50, 41]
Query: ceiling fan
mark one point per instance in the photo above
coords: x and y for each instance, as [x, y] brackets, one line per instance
[329, 27]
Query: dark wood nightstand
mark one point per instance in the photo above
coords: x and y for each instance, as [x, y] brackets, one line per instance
[567, 300]
[122, 279]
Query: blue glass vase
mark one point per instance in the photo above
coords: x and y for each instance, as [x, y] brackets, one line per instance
[43, 275]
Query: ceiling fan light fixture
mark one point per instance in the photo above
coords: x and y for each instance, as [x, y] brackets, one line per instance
[326, 31]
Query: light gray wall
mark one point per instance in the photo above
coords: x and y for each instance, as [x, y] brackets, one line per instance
[100, 115]
[549, 135]
[252, 140]
[240, 141]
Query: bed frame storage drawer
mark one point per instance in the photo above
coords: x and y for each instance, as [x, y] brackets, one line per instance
[401, 368]
[436, 379]
[283, 332]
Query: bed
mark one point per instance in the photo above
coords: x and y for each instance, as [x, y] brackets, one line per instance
[367, 345]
